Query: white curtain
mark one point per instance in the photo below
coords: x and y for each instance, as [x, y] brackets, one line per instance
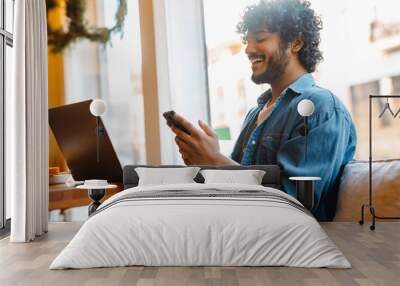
[26, 124]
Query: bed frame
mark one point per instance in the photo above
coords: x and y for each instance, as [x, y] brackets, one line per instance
[270, 179]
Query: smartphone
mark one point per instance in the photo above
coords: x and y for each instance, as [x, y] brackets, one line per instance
[169, 116]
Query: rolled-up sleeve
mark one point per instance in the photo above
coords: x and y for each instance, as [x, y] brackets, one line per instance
[331, 143]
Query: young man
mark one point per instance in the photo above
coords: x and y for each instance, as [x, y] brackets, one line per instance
[282, 38]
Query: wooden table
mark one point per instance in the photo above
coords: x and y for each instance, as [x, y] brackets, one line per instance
[62, 197]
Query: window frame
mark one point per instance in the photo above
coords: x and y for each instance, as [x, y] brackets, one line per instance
[6, 39]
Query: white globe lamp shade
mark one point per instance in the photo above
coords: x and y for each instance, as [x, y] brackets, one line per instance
[98, 107]
[305, 107]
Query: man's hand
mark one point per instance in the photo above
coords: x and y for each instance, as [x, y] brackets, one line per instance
[201, 147]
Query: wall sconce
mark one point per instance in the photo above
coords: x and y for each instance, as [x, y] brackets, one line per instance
[98, 108]
[305, 108]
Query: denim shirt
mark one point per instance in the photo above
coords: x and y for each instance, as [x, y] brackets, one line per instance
[331, 141]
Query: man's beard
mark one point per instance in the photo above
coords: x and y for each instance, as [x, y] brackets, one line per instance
[275, 69]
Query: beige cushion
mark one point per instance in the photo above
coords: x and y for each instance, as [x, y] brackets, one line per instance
[353, 191]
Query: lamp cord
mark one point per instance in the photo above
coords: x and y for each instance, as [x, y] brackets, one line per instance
[97, 138]
[306, 134]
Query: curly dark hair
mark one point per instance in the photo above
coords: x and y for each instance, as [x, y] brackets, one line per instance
[291, 19]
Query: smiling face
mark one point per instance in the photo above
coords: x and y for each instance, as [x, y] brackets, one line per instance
[268, 56]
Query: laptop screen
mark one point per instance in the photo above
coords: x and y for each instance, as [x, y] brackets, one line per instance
[74, 128]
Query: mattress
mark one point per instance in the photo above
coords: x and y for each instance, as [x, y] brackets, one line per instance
[201, 225]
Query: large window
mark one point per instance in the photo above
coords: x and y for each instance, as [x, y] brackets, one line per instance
[361, 59]
[6, 43]
[112, 72]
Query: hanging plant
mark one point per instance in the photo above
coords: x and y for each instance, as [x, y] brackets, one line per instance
[78, 28]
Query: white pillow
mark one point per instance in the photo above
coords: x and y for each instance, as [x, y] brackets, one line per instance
[248, 177]
[163, 176]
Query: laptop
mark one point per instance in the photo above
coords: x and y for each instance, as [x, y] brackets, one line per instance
[74, 128]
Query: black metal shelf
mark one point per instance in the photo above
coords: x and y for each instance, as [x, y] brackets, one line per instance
[370, 205]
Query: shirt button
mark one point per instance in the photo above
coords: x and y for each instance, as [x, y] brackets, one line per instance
[253, 142]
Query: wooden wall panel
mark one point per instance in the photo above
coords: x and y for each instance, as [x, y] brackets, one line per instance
[56, 87]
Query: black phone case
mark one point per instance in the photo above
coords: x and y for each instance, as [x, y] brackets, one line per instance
[169, 116]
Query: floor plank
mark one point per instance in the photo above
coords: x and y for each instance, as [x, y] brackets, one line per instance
[374, 255]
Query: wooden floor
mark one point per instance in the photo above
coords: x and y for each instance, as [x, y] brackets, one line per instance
[375, 257]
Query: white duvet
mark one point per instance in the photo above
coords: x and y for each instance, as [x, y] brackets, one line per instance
[200, 231]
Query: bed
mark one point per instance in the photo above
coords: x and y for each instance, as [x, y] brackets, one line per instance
[198, 224]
